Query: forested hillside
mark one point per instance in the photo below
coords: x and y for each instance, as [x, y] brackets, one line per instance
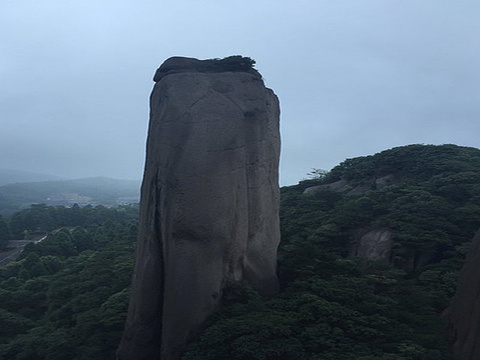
[336, 306]
[66, 297]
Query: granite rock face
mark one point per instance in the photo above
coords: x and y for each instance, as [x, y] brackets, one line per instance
[464, 312]
[209, 205]
[373, 244]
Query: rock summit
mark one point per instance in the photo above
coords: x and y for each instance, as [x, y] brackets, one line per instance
[210, 200]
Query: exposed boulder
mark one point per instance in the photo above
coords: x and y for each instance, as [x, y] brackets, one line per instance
[337, 186]
[378, 244]
[373, 244]
[209, 205]
[355, 188]
[385, 181]
[464, 312]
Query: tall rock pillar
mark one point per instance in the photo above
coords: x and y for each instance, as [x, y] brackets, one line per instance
[464, 312]
[209, 203]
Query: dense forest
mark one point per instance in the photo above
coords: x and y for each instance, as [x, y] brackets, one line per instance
[66, 296]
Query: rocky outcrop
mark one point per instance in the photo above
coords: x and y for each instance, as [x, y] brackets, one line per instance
[337, 186]
[373, 244]
[350, 188]
[464, 312]
[209, 205]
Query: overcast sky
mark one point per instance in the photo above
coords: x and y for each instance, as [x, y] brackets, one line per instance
[353, 77]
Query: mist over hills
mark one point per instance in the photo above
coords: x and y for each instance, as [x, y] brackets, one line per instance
[93, 191]
[10, 176]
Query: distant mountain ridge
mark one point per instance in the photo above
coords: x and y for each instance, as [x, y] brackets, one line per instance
[10, 176]
[93, 191]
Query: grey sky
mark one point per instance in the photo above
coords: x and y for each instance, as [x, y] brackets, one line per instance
[353, 77]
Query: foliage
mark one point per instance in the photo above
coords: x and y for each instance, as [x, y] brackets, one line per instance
[231, 63]
[431, 202]
[67, 296]
[317, 174]
[417, 162]
[41, 218]
[335, 307]
[5, 233]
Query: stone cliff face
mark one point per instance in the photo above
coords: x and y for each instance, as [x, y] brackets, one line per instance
[209, 205]
[372, 244]
[464, 312]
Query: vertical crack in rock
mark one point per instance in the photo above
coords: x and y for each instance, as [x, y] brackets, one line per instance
[161, 254]
[209, 206]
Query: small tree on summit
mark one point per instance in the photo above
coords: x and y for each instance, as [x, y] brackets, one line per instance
[229, 63]
[317, 174]
[237, 63]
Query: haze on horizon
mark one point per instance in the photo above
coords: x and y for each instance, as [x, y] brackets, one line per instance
[353, 78]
